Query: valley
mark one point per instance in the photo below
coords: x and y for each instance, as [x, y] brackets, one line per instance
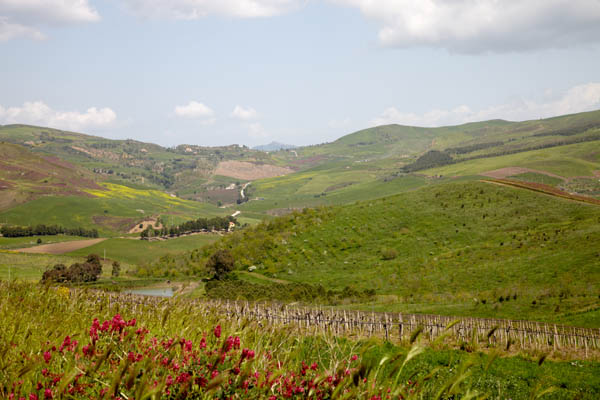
[490, 221]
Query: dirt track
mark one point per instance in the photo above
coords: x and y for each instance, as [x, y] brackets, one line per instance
[60, 248]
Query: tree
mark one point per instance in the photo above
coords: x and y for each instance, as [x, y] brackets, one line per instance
[116, 269]
[221, 263]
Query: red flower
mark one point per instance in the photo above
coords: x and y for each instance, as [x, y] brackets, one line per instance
[47, 356]
[48, 394]
[33, 396]
[217, 331]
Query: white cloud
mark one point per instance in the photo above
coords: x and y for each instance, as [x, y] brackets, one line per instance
[38, 113]
[10, 31]
[257, 131]
[473, 26]
[244, 114]
[577, 99]
[24, 18]
[196, 110]
[195, 9]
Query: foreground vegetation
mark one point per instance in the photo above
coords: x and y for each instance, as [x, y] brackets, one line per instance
[172, 349]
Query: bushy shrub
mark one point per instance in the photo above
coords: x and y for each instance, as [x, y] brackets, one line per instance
[389, 254]
[221, 263]
[88, 271]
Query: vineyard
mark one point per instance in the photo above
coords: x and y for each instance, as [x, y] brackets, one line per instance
[398, 327]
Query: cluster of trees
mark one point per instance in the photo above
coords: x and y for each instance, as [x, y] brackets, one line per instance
[473, 147]
[569, 131]
[436, 158]
[194, 226]
[88, 271]
[46, 230]
[234, 289]
[432, 158]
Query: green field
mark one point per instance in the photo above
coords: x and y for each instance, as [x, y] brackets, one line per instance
[113, 210]
[129, 252]
[30, 241]
[136, 252]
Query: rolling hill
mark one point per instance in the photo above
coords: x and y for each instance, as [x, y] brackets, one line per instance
[463, 248]
[560, 152]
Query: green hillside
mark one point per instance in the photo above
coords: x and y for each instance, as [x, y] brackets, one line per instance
[389, 159]
[467, 248]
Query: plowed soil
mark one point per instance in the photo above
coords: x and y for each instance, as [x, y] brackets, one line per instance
[250, 171]
[60, 248]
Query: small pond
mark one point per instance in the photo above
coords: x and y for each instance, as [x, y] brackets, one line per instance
[159, 292]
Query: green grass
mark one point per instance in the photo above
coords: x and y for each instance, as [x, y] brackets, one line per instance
[30, 241]
[458, 245]
[537, 178]
[137, 252]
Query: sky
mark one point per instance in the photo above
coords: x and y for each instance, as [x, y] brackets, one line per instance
[218, 72]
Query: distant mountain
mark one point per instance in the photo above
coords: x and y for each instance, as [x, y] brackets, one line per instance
[274, 146]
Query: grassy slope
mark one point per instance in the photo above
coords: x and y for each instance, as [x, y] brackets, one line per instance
[580, 159]
[449, 257]
[367, 164]
[25, 175]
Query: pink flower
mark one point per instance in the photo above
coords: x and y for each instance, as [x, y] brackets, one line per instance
[65, 343]
[354, 357]
[228, 343]
[47, 394]
[33, 396]
[203, 343]
[236, 342]
[217, 331]
[47, 356]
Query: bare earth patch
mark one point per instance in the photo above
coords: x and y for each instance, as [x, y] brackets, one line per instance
[60, 248]
[120, 224]
[250, 171]
[510, 171]
[145, 224]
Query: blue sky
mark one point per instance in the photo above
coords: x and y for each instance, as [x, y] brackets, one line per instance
[214, 72]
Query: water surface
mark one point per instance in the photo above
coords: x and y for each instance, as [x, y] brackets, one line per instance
[159, 292]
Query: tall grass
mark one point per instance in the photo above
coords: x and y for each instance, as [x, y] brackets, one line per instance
[60, 343]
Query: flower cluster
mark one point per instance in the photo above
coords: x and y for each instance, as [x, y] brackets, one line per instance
[121, 361]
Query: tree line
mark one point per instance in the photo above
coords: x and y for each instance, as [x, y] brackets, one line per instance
[46, 230]
[193, 226]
